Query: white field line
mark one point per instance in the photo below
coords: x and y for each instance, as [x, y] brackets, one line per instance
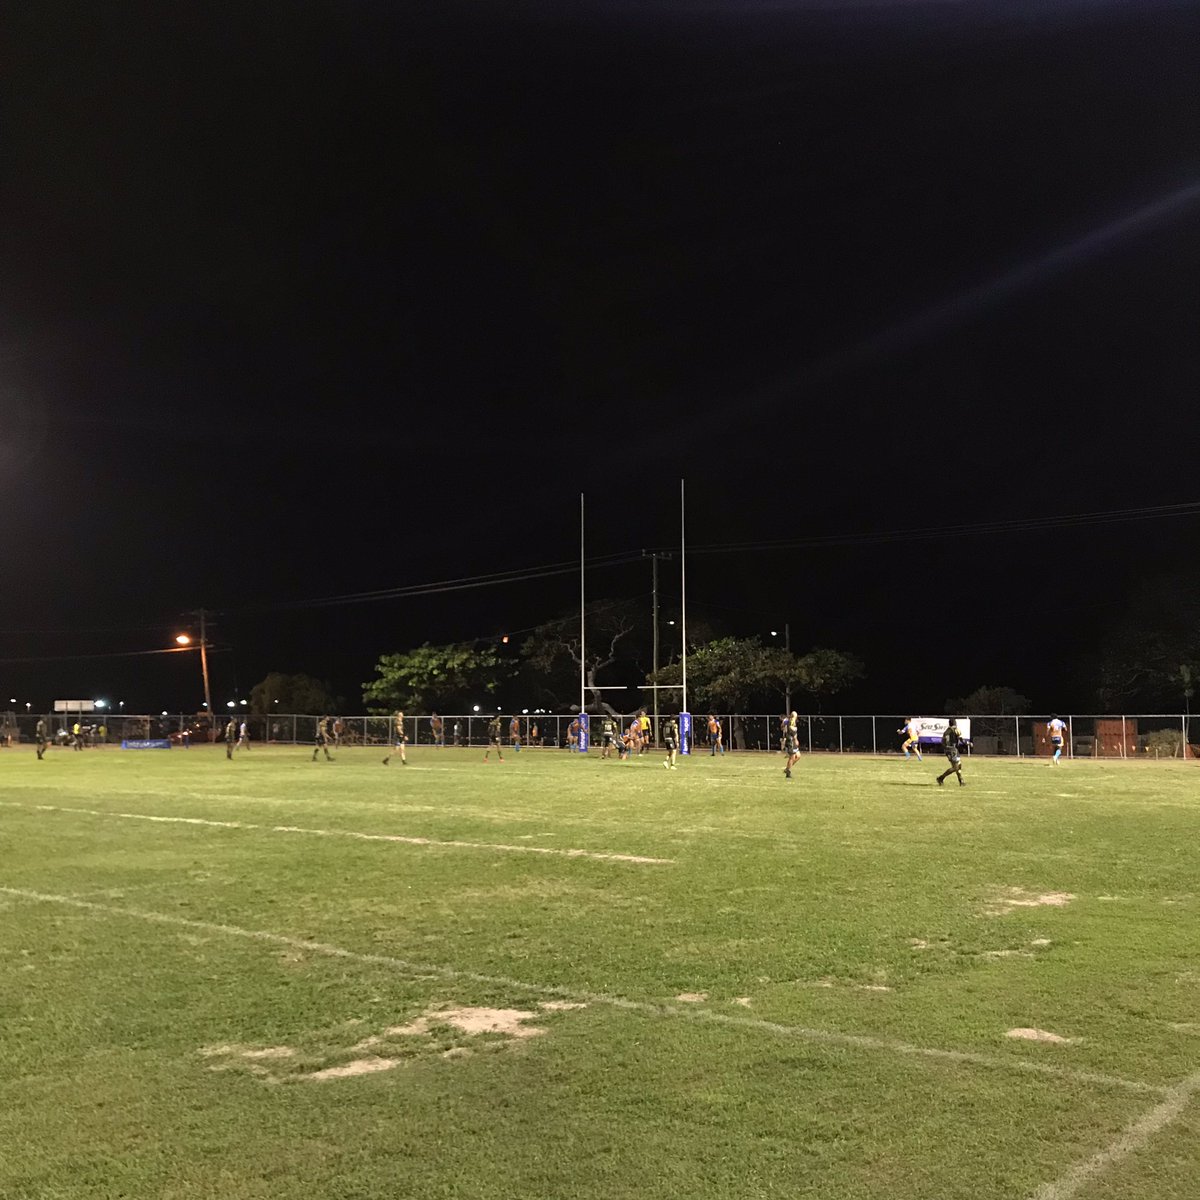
[686, 1012]
[1133, 1137]
[350, 833]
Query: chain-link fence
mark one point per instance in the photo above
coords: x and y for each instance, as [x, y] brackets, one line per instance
[1129, 736]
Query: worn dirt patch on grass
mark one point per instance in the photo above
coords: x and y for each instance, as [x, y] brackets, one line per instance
[507, 1021]
[1040, 1035]
[1012, 898]
[434, 1032]
[360, 1066]
[692, 997]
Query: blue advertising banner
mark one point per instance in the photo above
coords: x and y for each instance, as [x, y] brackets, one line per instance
[148, 744]
[583, 733]
[685, 733]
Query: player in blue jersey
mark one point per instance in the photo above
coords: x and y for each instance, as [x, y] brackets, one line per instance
[1056, 728]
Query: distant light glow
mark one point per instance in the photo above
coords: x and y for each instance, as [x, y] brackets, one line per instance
[183, 639]
[100, 703]
[476, 707]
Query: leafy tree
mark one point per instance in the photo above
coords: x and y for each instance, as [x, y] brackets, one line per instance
[990, 701]
[291, 694]
[616, 634]
[737, 674]
[822, 673]
[1151, 659]
[434, 677]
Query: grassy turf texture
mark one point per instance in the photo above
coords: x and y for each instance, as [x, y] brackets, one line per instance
[177, 997]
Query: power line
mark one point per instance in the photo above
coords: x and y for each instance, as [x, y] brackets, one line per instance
[110, 654]
[1012, 525]
[464, 583]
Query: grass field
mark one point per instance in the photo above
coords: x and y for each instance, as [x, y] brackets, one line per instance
[742, 987]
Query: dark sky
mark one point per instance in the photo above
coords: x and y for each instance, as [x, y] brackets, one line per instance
[310, 299]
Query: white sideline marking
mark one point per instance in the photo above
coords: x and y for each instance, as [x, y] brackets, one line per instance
[1133, 1137]
[350, 833]
[429, 971]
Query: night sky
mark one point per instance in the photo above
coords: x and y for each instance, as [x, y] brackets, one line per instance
[314, 299]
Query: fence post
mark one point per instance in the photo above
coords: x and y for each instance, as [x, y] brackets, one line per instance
[293, 729]
[808, 718]
[1070, 736]
[1017, 727]
[874, 749]
[1183, 737]
[841, 747]
[1122, 735]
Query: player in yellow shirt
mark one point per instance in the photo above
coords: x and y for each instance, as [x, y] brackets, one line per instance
[644, 723]
[912, 738]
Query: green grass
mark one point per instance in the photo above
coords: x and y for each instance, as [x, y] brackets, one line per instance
[858, 899]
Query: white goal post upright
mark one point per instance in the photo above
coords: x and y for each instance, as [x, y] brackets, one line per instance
[685, 737]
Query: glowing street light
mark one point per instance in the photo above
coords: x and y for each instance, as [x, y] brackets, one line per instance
[183, 639]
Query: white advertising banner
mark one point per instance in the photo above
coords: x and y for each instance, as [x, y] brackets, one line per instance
[930, 729]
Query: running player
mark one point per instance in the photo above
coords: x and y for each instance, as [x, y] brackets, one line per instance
[608, 737]
[633, 736]
[670, 732]
[243, 742]
[399, 738]
[494, 739]
[323, 738]
[912, 739]
[231, 737]
[715, 742]
[1056, 728]
[573, 734]
[514, 734]
[950, 741]
[791, 742]
[39, 737]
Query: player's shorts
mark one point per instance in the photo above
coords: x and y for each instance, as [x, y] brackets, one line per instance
[607, 739]
[670, 744]
[954, 759]
[1056, 741]
[790, 745]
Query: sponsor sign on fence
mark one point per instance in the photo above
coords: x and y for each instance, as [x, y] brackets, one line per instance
[930, 729]
[146, 744]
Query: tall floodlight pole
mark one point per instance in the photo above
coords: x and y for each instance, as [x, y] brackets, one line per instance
[683, 585]
[204, 673]
[202, 615]
[582, 622]
[787, 645]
